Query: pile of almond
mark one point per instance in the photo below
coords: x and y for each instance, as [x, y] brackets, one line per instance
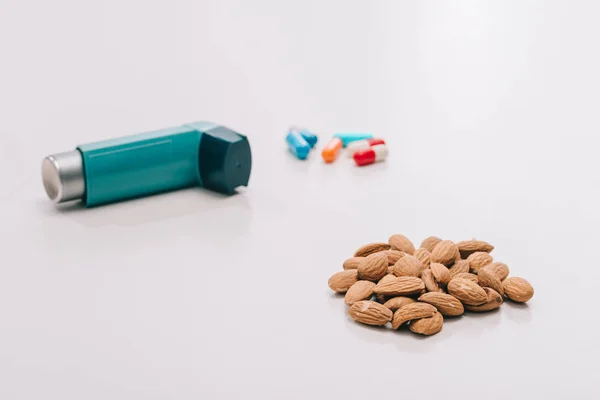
[393, 282]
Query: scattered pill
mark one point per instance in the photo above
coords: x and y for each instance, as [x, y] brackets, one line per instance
[362, 145]
[310, 137]
[352, 137]
[375, 154]
[297, 144]
[331, 150]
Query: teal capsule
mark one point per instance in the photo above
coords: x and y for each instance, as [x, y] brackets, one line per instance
[310, 137]
[297, 144]
[352, 137]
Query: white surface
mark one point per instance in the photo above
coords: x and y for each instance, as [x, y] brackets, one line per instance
[490, 110]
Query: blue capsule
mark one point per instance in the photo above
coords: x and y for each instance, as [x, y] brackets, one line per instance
[310, 137]
[352, 137]
[297, 144]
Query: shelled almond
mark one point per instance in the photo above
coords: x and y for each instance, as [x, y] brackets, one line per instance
[396, 285]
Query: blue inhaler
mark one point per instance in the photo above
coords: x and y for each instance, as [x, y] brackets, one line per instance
[196, 154]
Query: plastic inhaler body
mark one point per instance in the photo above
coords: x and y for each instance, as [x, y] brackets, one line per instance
[352, 137]
[197, 154]
[297, 144]
[375, 154]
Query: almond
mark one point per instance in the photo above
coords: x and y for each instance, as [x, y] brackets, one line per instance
[370, 313]
[466, 275]
[517, 289]
[371, 248]
[388, 278]
[408, 266]
[467, 292]
[424, 256]
[401, 242]
[342, 281]
[410, 312]
[479, 260]
[361, 290]
[373, 267]
[400, 286]
[352, 263]
[396, 302]
[393, 256]
[469, 247]
[459, 267]
[445, 303]
[445, 252]
[430, 243]
[430, 283]
[500, 269]
[427, 326]
[494, 300]
[440, 273]
[489, 279]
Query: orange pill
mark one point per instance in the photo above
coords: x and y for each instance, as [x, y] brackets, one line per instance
[331, 150]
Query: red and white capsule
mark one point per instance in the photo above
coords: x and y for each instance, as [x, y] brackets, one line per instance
[372, 155]
[360, 145]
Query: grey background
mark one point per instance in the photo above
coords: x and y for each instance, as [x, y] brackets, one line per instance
[490, 110]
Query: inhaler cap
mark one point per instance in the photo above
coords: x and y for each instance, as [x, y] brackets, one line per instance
[63, 177]
[225, 160]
